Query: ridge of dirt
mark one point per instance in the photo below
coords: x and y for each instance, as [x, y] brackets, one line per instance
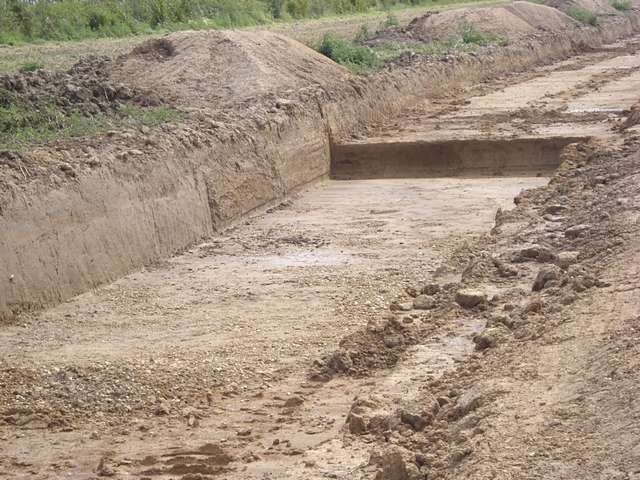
[85, 89]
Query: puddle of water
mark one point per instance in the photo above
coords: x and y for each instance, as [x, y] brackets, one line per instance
[431, 360]
[304, 259]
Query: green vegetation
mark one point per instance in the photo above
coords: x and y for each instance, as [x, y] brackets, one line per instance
[583, 15]
[621, 5]
[390, 51]
[28, 21]
[150, 117]
[31, 66]
[390, 22]
[471, 35]
[21, 126]
[358, 58]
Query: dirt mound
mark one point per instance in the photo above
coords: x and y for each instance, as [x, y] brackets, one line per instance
[215, 68]
[540, 17]
[488, 21]
[601, 7]
[513, 21]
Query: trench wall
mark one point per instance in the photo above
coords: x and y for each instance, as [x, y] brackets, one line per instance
[61, 241]
[477, 157]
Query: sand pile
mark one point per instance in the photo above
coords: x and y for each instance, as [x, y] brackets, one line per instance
[223, 68]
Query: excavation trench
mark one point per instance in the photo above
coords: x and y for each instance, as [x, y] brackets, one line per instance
[246, 313]
[452, 158]
[230, 327]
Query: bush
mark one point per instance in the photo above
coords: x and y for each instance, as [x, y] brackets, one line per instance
[583, 15]
[621, 5]
[355, 57]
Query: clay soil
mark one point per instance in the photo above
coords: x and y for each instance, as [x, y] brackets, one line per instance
[468, 327]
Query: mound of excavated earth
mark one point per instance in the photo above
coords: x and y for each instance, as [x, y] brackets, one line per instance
[217, 69]
[512, 21]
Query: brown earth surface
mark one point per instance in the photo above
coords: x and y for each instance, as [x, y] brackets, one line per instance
[478, 324]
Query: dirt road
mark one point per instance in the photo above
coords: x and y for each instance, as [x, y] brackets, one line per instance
[475, 344]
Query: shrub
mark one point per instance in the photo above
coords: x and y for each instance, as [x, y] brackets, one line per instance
[583, 15]
[355, 57]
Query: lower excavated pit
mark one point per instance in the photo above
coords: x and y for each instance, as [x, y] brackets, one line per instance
[476, 157]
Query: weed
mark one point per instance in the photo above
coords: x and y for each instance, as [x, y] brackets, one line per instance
[471, 35]
[621, 5]
[363, 34]
[582, 15]
[31, 66]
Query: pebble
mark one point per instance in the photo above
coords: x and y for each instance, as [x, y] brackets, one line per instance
[469, 298]
[424, 302]
[565, 259]
[545, 275]
[577, 231]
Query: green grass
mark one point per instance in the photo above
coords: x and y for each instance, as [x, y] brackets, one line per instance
[149, 117]
[30, 66]
[389, 51]
[66, 20]
[582, 15]
[22, 126]
[621, 5]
